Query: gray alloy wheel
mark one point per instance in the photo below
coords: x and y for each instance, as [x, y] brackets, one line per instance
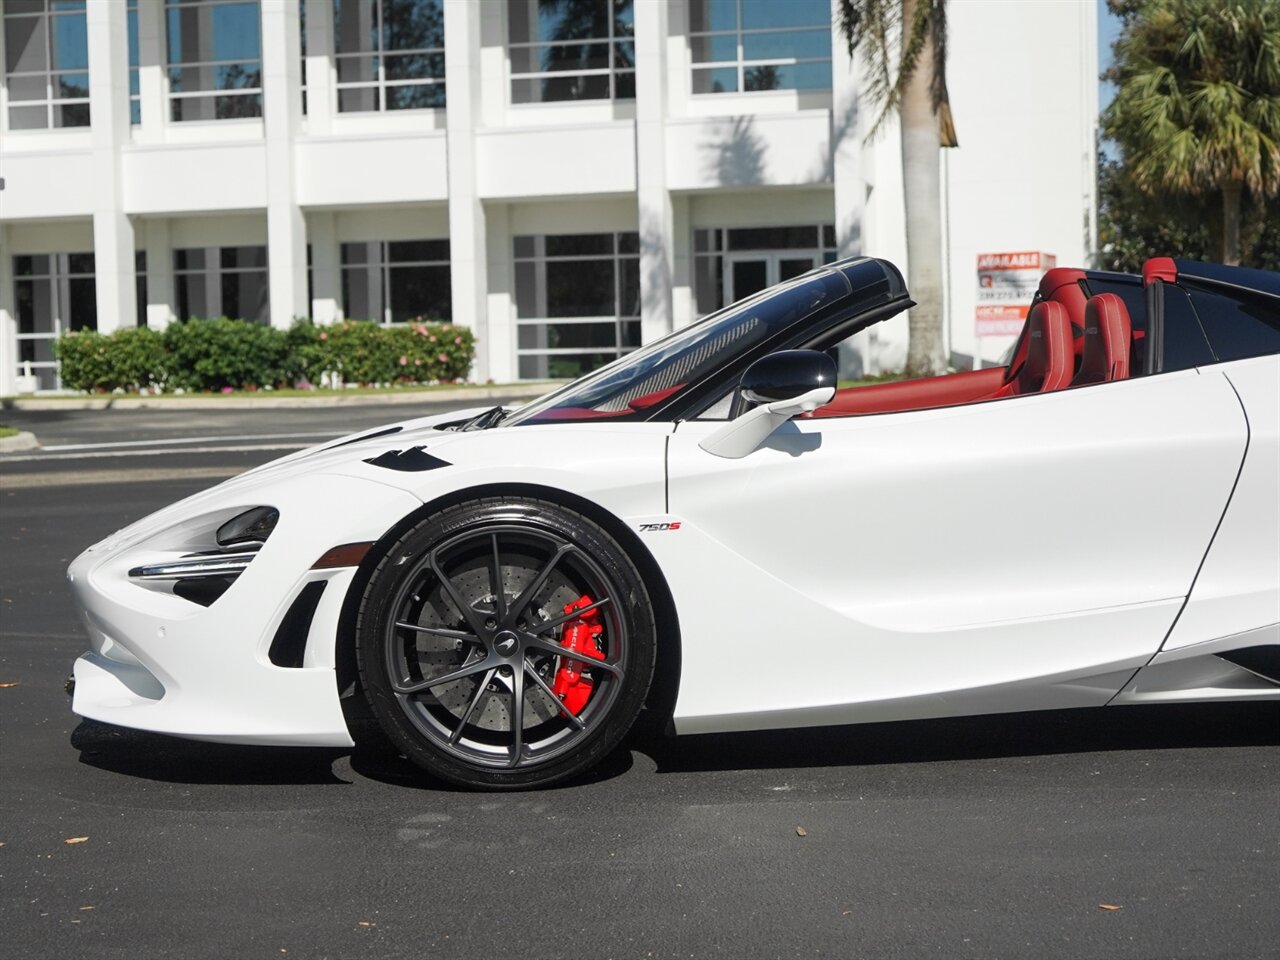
[506, 643]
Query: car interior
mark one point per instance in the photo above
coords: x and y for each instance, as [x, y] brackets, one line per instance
[1072, 337]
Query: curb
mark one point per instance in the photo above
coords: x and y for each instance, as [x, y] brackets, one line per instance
[19, 441]
[516, 392]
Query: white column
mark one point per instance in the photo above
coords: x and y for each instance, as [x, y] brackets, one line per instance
[161, 300]
[493, 64]
[683, 308]
[656, 238]
[109, 114]
[151, 79]
[282, 110]
[8, 318]
[467, 254]
[501, 300]
[4, 88]
[326, 270]
[320, 105]
[848, 129]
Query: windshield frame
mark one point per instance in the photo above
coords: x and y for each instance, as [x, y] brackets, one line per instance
[869, 286]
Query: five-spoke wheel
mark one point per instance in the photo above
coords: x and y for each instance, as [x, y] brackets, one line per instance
[506, 643]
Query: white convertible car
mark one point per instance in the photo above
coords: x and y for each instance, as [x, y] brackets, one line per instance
[713, 526]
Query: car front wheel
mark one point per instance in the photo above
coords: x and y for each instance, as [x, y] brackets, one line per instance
[506, 643]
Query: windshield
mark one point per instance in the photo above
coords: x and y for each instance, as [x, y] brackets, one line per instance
[658, 372]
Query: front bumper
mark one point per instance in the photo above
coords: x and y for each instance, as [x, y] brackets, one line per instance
[164, 664]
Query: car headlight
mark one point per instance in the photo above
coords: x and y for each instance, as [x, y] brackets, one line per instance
[252, 526]
[201, 574]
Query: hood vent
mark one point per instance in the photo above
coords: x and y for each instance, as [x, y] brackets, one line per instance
[413, 460]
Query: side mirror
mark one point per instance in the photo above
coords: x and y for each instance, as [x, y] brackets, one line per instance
[787, 375]
[783, 384]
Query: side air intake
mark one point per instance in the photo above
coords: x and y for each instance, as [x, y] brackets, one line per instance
[1263, 661]
[289, 645]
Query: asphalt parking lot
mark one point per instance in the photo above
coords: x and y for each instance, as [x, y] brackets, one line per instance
[1122, 832]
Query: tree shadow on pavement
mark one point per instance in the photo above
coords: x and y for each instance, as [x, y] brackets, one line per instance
[1101, 729]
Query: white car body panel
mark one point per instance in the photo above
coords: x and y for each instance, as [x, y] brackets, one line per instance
[1238, 587]
[884, 585]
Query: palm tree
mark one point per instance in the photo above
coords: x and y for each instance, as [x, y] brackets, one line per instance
[1197, 110]
[912, 81]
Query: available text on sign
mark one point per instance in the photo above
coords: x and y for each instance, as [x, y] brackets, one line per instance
[1006, 284]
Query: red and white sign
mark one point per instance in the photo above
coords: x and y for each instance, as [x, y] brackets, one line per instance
[1006, 284]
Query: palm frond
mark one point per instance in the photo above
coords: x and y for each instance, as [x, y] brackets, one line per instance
[872, 26]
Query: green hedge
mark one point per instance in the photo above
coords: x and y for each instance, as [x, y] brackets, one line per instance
[223, 354]
[131, 359]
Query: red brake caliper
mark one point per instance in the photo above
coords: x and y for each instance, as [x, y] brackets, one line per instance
[582, 638]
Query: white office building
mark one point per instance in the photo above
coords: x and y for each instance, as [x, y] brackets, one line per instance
[569, 178]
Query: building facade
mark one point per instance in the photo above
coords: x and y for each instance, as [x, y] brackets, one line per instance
[569, 178]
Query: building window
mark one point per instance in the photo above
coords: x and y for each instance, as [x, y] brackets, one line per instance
[222, 282]
[396, 281]
[214, 51]
[584, 50]
[731, 264]
[389, 54]
[302, 42]
[135, 98]
[46, 63]
[140, 286]
[742, 46]
[53, 294]
[577, 302]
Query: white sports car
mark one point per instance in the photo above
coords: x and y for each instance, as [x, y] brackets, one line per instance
[714, 526]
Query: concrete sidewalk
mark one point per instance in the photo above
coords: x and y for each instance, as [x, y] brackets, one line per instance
[265, 400]
[23, 440]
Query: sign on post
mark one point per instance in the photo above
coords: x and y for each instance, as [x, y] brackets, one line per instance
[1006, 284]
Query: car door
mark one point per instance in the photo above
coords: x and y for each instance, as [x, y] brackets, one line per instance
[1016, 554]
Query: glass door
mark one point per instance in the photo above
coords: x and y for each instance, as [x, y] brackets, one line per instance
[54, 294]
[747, 275]
[750, 273]
[791, 265]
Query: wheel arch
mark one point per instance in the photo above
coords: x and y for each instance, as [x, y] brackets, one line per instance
[660, 702]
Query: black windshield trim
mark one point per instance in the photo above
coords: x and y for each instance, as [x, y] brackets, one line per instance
[873, 291]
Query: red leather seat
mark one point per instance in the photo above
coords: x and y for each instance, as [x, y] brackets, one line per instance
[1107, 339]
[1050, 352]
[1060, 285]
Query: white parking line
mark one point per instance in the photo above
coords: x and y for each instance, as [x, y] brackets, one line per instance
[122, 444]
[111, 454]
[24, 481]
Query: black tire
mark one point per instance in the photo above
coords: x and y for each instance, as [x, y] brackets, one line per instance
[447, 662]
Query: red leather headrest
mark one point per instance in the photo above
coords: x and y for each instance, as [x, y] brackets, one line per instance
[1059, 277]
[1107, 339]
[1062, 284]
[1159, 268]
[1050, 356]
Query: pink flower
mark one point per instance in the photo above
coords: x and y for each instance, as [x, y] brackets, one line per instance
[417, 363]
[432, 338]
[458, 341]
[404, 361]
[443, 358]
[227, 390]
[323, 335]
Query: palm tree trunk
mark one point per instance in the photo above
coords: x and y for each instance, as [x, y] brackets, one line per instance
[921, 178]
[1231, 224]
